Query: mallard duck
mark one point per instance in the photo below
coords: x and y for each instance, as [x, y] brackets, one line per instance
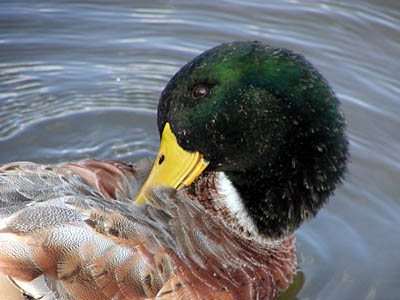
[252, 144]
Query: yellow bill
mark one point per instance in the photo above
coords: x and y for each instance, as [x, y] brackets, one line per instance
[174, 167]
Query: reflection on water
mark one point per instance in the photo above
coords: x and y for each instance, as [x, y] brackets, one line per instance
[82, 79]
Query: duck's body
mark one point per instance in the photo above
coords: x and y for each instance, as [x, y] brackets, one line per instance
[266, 131]
[72, 228]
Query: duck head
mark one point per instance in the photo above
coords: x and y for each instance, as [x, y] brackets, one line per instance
[263, 116]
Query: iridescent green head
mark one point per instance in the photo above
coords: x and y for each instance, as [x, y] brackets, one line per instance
[266, 118]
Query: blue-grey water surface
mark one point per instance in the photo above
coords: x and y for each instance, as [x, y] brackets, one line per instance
[81, 79]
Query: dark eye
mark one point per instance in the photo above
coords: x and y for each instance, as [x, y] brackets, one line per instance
[200, 91]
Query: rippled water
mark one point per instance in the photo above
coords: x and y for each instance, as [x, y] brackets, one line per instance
[82, 79]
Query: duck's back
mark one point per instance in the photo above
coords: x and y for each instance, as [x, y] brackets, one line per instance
[51, 215]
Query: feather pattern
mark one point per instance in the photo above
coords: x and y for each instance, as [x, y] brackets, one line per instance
[71, 232]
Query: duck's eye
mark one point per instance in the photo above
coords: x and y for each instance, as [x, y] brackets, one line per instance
[200, 91]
